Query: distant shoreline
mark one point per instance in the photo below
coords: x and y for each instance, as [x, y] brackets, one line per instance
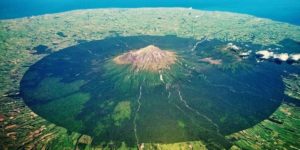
[277, 10]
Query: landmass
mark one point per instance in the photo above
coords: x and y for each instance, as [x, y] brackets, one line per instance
[22, 128]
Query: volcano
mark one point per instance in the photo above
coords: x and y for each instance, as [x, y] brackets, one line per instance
[152, 89]
[149, 58]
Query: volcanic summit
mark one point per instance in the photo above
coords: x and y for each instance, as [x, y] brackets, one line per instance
[150, 58]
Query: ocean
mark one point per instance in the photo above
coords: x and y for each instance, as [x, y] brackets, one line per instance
[279, 10]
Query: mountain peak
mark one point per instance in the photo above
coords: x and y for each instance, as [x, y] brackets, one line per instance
[150, 58]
